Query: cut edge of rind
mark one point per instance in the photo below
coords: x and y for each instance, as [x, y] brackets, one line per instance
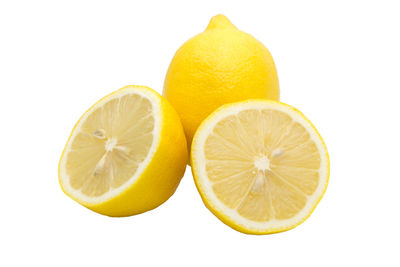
[155, 100]
[233, 219]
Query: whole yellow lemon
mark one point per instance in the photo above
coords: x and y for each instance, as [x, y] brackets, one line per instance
[218, 66]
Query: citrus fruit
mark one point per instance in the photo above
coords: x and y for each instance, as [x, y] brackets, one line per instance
[218, 66]
[260, 166]
[126, 155]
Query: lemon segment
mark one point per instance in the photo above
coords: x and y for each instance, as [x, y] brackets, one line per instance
[113, 161]
[260, 166]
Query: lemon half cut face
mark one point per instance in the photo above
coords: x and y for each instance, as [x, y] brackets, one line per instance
[116, 149]
[260, 166]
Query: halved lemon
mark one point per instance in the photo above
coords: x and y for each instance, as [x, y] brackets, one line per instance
[126, 155]
[260, 166]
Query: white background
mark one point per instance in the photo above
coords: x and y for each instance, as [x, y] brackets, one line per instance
[338, 62]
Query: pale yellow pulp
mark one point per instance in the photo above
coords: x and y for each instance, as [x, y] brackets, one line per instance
[111, 143]
[262, 164]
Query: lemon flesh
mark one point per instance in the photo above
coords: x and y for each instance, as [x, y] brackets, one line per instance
[112, 146]
[103, 157]
[260, 166]
[218, 66]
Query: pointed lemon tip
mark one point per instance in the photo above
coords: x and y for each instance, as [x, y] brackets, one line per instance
[220, 22]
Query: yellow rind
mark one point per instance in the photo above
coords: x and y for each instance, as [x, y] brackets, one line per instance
[225, 219]
[161, 176]
[218, 66]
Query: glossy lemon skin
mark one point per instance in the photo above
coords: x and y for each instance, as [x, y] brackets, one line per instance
[218, 66]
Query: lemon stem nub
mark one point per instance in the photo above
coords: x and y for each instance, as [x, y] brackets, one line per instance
[220, 22]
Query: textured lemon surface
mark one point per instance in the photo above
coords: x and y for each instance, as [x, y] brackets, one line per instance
[218, 66]
[126, 154]
[260, 166]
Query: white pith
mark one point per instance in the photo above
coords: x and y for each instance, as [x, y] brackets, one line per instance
[205, 185]
[262, 163]
[111, 144]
